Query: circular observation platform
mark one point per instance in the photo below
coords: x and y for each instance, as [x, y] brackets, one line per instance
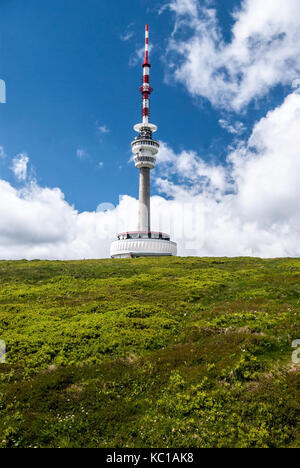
[144, 151]
[143, 244]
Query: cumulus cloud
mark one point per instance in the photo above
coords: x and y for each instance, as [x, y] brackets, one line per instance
[37, 222]
[251, 206]
[263, 50]
[19, 166]
[192, 170]
[236, 128]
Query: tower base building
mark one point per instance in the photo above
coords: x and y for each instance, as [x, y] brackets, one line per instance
[139, 244]
[144, 242]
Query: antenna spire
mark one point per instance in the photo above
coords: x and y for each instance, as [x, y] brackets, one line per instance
[146, 89]
[146, 63]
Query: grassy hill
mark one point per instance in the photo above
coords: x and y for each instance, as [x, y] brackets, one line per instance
[191, 352]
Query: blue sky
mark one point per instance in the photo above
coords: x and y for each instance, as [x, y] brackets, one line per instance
[72, 76]
[67, 73]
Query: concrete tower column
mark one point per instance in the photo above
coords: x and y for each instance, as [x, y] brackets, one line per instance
[144, 200]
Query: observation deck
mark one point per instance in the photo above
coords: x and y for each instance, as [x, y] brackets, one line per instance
[143, 244]
[145, 151]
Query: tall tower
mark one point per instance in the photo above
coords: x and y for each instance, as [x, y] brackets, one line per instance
[144, 242]
[144, 147]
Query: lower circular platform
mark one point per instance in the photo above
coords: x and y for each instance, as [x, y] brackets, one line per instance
[142, 247]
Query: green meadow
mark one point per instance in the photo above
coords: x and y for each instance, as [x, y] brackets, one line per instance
[169, 352]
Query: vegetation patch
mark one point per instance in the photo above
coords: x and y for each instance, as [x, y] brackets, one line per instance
[169, 352]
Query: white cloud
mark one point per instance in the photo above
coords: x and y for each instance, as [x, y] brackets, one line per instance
[193, 170]
[267, 173]
[182, 7]
[128, 34]
[101, 164]
[37, 222]
[103, 129]
[248, 207]
[138, 56]
[19, 166]
[81, 153]
[262, 53]
[236, 128]
[252, 206]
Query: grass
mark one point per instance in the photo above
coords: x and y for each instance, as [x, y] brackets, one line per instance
[192, 352]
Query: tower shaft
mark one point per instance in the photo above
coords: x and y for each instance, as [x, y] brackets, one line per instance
[144, 200]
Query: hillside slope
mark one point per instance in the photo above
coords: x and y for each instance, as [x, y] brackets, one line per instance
[173, 352]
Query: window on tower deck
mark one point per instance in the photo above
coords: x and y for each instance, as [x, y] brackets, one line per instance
[145, 133]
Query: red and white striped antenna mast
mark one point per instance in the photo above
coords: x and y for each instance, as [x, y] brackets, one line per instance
[146, 89]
